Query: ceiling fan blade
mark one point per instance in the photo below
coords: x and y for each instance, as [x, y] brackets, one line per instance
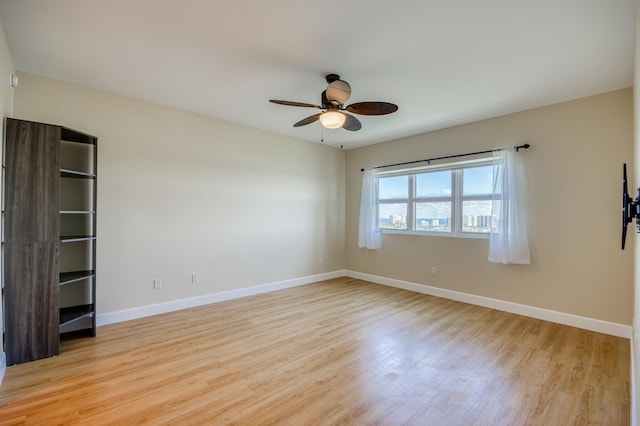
[351, 123]
[372, 108]
[297, 104]
[308, 120]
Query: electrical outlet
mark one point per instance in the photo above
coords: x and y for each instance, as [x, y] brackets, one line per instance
[157, 283]
[195, 278]
[434, 271]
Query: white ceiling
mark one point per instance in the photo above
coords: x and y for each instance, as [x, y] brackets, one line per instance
[443, 62]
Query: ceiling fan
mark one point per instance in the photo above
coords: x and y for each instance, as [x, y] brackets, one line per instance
[332, 103]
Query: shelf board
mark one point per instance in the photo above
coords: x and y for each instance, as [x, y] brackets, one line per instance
[73, 276]
[74, 238]
[70, 135]
[77, 212]
[76, 174]
[73, 313]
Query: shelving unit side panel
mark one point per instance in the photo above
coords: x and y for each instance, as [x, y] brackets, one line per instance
[31, 301]
[31, 188]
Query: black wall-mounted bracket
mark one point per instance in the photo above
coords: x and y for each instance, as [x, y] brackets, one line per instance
[630, 207]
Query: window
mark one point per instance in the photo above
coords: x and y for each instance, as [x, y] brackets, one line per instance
[453, 199]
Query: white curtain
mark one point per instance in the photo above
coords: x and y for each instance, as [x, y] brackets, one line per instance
[368, 232]
[508, 241]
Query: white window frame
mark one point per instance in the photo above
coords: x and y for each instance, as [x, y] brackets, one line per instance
[457, 198]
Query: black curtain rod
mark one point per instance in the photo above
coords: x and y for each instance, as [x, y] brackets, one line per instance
[429, 160]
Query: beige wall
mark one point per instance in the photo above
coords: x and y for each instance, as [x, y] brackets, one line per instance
[6, 95]
[573, 184]
[6, 69]
[180, 193]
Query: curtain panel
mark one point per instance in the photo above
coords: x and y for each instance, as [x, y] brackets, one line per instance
[508, 242]
[369, 235]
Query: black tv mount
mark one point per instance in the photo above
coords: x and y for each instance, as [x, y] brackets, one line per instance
[630, 206]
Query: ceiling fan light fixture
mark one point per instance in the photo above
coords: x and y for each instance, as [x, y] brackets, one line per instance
[332, 119]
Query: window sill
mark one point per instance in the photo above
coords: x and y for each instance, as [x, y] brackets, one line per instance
[466, 235]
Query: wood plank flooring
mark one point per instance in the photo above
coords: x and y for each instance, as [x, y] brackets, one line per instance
[342, 351]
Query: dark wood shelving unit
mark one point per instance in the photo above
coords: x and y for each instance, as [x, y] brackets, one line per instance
[49, 237]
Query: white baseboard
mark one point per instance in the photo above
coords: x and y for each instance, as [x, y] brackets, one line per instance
[605, 327]
[191, 302]
[635, 341]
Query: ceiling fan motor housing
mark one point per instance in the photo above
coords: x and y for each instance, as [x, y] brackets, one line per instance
[331, 78]
[338, 92]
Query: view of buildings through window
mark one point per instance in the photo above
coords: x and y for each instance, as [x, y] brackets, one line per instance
[455, 200]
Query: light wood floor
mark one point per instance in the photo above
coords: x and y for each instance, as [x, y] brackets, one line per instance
[338, 352]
